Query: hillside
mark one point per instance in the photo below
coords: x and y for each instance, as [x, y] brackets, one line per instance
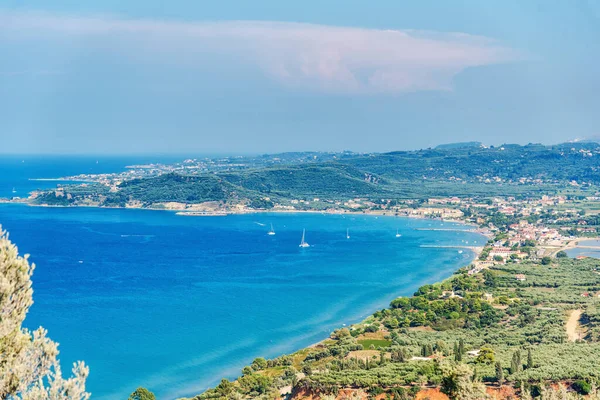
[333, 180]
[449, 170]
[509, 163]
[465, 336]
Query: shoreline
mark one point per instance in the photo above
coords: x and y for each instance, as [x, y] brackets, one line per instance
[183, 213]
[362, 313]
[580, 244]
[361, 320]
[476, 251]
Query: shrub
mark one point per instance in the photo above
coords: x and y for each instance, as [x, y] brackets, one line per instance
[582, 387]
[142, 394]
[546, 260]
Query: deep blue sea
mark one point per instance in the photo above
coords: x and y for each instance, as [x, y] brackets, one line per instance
[149, 298]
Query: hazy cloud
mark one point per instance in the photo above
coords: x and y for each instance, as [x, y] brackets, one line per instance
[305, 56]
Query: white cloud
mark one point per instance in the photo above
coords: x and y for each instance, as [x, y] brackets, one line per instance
[305, 56]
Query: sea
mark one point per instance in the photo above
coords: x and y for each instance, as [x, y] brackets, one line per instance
[585, 252]
[174, 303]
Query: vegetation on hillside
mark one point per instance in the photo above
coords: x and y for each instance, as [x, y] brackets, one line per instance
[461, 335]
[463, 171]
[559, 163]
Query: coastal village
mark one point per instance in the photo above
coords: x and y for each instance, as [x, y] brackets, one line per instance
[517, 228]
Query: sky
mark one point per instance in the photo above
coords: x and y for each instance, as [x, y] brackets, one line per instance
[201, 77]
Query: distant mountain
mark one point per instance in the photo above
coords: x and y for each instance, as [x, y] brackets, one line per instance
[589, 139]
[459, 145]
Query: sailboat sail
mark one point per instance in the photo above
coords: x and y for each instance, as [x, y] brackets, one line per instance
[303, 242]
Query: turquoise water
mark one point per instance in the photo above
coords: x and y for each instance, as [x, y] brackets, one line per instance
[174, 303]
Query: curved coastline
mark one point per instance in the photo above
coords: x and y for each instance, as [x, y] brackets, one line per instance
[294, 340]
[367, 312]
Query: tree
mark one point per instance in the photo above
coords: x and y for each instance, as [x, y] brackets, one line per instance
[458, 382]
[429, 350]
[440, 347]
[458, 352]
[142, 394]
[258, 364]
[256, 383]
[225, 388]
[582, 387]
[529, 359]
[515, 364]
[499, 373]
[546, 260]
[498, 258]
[489, 278]
[486, 355]
[247, 370]
[341, 333]
[561, 254]
[29, 368]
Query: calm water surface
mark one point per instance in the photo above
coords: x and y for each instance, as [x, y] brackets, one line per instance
[595, 253]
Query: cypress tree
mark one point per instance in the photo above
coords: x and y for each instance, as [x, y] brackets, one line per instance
[513, 364]
[429, 350]
[401, 355]
[461, 347]
[499, 373]
[457, 353]
[529, 359]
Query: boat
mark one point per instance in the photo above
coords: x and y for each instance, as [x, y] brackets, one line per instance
[272, 231]
[398, 233]
[347, 234]
[460, 252]
[303, 242]
[14, 190]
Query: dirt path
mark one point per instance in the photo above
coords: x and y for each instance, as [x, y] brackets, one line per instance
[573, 325]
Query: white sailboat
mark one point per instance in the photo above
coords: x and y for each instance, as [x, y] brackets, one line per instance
[347, 233]
[14, 190]
[303, 242]
[272, 231]
[398, 233]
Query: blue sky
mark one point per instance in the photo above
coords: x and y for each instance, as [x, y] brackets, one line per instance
[265, 76]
